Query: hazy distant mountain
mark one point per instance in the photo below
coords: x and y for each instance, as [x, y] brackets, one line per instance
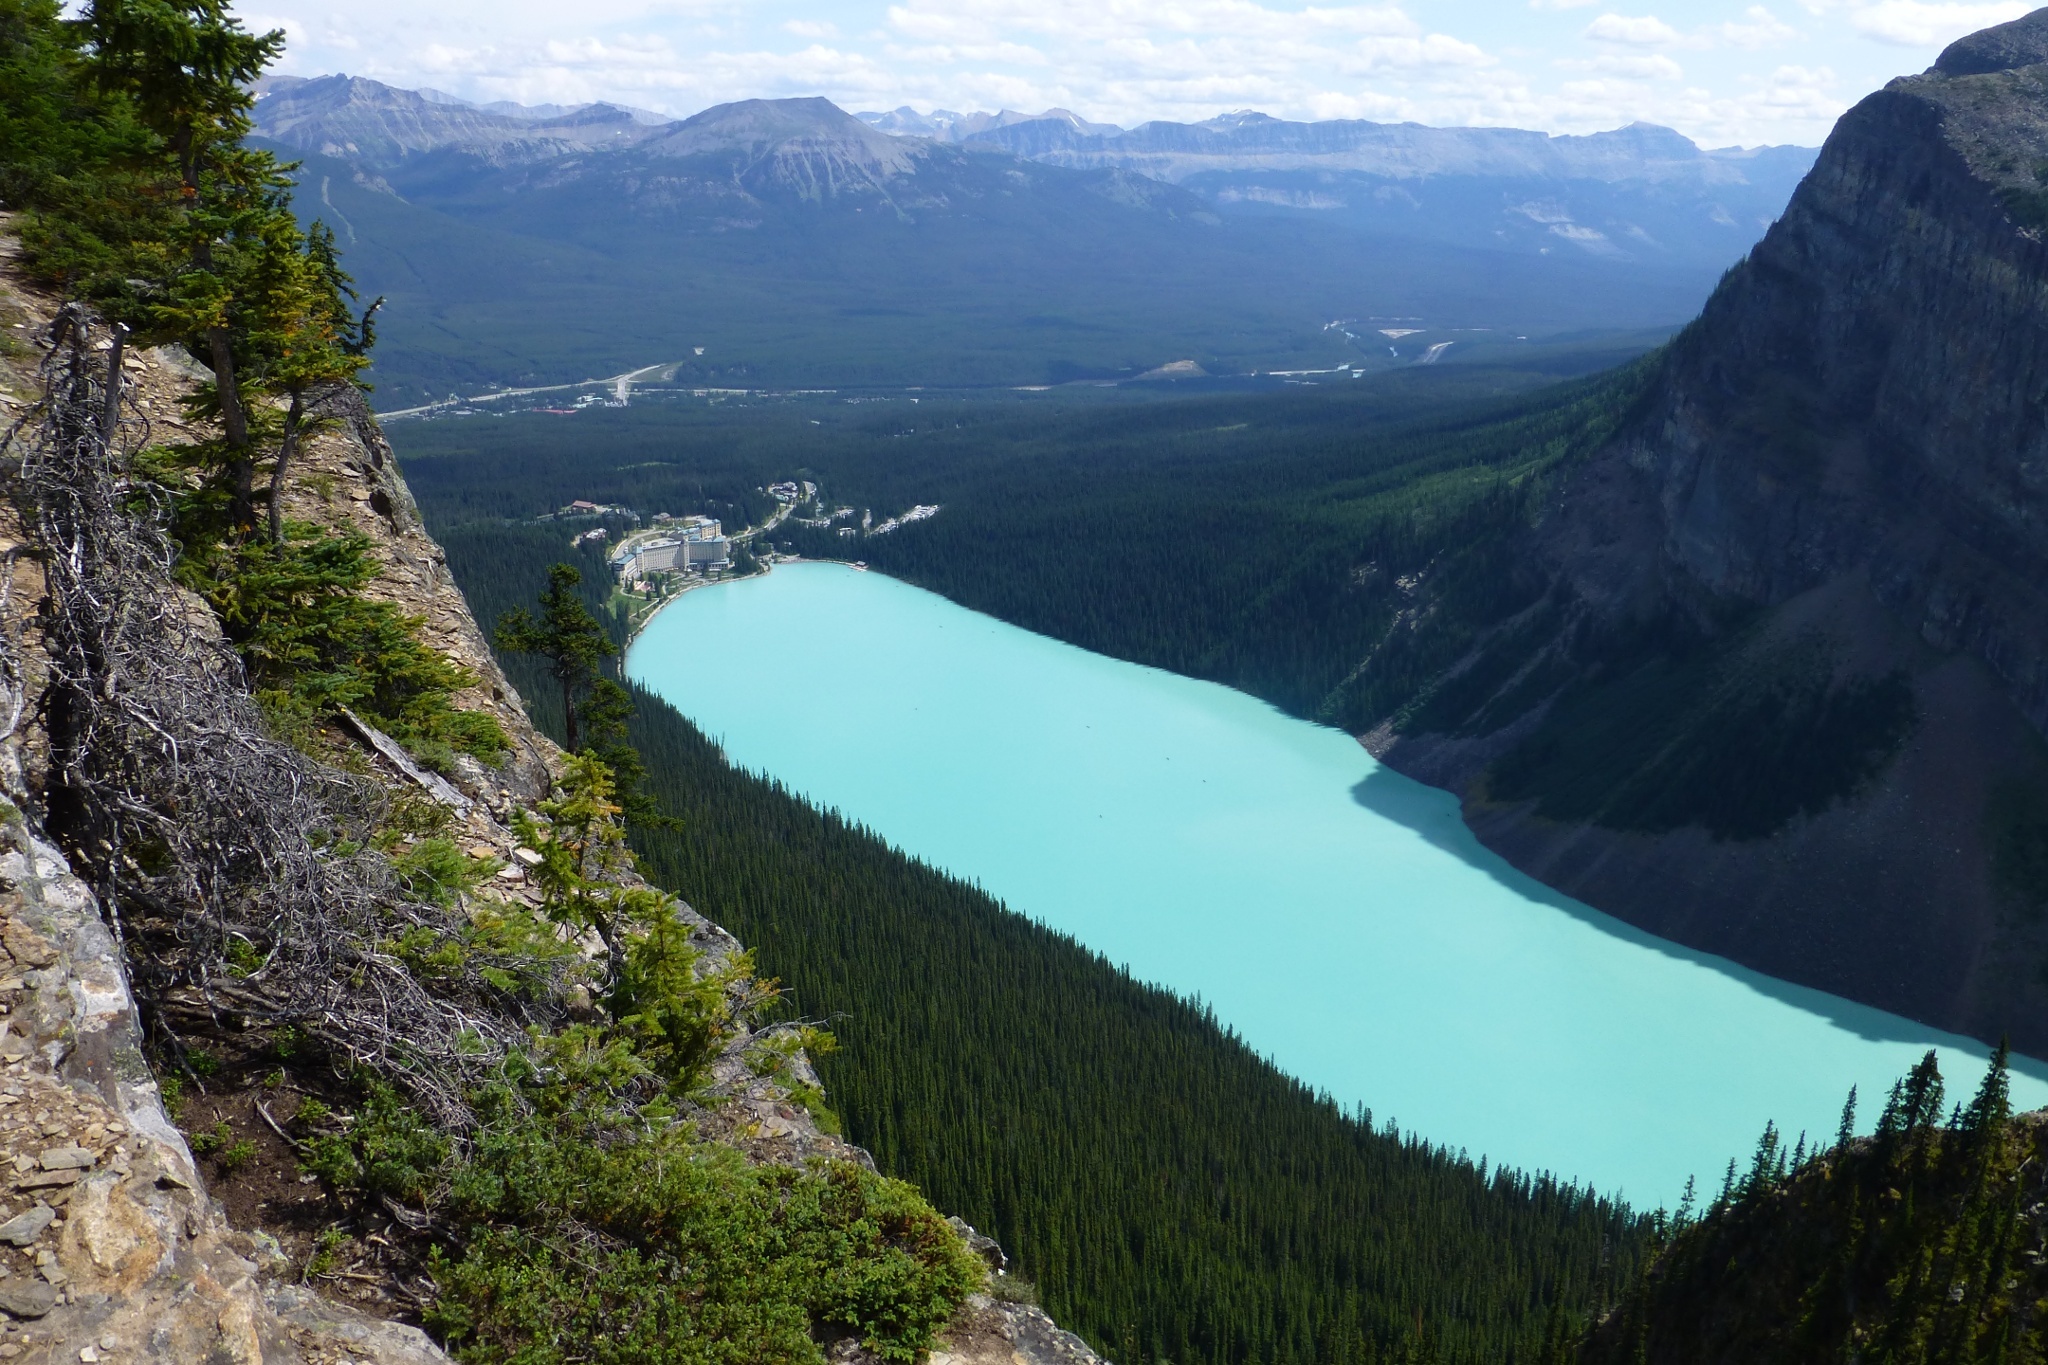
[723, 166]
[1248, 140]
[541, 112]
[796, 243]
[1642, 191]
[348, 116]
[948, 126]
[320, 95]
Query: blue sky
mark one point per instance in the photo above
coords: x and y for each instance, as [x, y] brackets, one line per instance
[1721, 71]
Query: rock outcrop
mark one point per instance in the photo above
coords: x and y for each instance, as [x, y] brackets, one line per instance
[110, 1248]
[1844, 458]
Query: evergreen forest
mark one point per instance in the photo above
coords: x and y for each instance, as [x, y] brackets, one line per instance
[1267, 541]
[1921, 1244]
[1173, 1196]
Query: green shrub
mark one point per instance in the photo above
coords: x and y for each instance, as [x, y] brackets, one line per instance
[388, 1150]
[657, 1248]
[437, 870]
[314, 643]
[578, 1224]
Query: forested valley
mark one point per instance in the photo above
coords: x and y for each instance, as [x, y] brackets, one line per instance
[1266, 541]
[1174, 1196]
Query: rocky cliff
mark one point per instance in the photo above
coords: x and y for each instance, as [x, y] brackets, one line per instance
[1783, 691]
[116, 1243]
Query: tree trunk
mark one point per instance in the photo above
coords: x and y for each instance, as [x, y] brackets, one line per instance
[569, 716]
[285, 449]
[235, 425]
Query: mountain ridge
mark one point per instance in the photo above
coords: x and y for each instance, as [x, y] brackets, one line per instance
[1245, 139]
[1823, 526]
[525, 249]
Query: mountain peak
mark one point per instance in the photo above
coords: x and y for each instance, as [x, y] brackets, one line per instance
[354, 116]
[1648, 140]
[948, 126]
[812, 141]
[1238, 118]
[761, 124]
[779, 118]
[2005, 47]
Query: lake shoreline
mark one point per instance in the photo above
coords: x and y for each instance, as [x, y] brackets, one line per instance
[1341, 918]
[768, 566]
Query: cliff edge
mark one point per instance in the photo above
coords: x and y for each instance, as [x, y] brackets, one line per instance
[1783, 691]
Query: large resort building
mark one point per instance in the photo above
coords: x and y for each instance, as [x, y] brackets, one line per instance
[692, 545]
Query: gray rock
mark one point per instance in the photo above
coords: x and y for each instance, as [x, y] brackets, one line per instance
[66, 1159]
[24, 1228]
[26, 1298]
[981, 1244]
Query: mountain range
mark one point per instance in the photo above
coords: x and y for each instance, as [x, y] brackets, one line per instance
[1640, 191]
[796, 243]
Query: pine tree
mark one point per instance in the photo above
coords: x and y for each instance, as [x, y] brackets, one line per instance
[1984, 1121]
[311, 340]
[187, 66]
[606, 714]
[566, 635]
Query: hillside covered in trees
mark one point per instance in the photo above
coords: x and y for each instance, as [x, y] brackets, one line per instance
[263, 847]
[1173, 1195]
[1921, 1244]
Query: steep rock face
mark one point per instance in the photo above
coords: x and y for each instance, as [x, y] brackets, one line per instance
[1871, 387]
[1842, 463]
[112, 1249]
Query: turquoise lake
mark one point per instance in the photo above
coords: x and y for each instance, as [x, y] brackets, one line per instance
[1338, 915]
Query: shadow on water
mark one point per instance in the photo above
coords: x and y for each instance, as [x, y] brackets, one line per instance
[1434, 814]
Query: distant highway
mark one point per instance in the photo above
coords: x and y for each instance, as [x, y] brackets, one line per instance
[621, 385]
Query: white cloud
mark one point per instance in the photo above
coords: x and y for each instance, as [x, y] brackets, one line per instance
[1652, 66]
[1910, 23]
[1137, 59]
[1758, 28]
[1644, 31]
[1748, 74]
